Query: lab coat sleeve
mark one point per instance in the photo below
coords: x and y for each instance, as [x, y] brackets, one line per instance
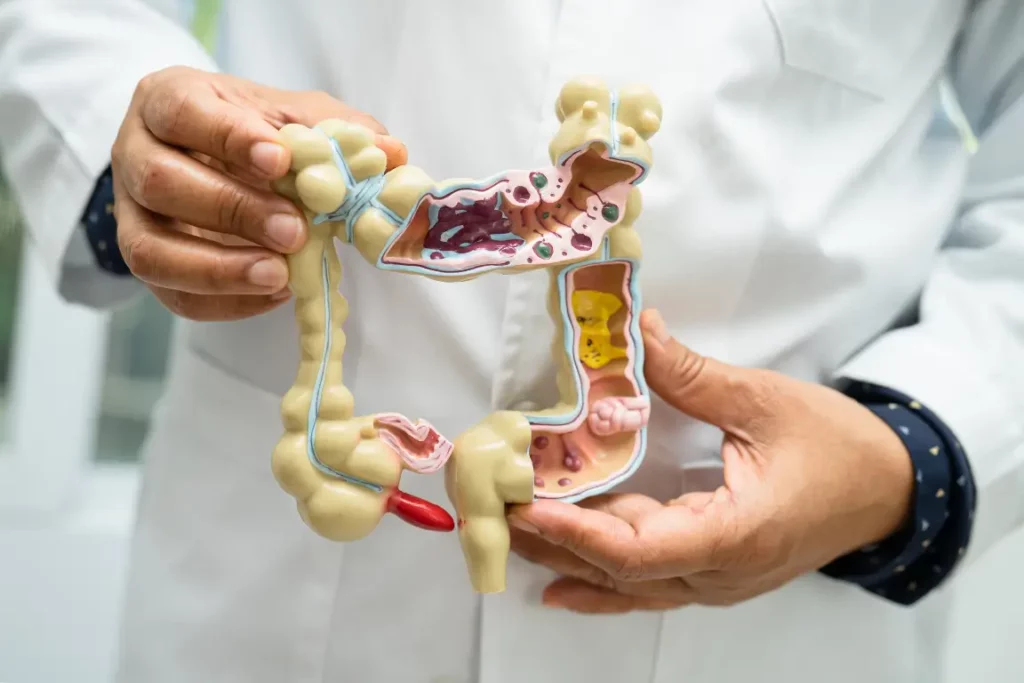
[68, 69]
[964, 358]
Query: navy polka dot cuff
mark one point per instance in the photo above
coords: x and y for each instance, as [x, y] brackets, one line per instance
[908, 565]
[101, 227]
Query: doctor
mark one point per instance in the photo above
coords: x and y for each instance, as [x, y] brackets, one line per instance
[846, 277]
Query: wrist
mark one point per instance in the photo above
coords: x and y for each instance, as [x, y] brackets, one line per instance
[894, 482]
[920, 555]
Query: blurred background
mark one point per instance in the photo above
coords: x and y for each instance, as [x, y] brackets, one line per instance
[67, 495]
[135, 358]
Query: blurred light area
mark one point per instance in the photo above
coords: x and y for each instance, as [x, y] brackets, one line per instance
[135, 365]
[10, 258]
[135, 361]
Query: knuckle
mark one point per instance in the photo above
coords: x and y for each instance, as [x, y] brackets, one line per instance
[177, 71]
[217, 274]
[233, 209]
[182, 304]
[177, 302]
[632, 567]
[174, 111]
[147, 84]
[155, 80]
[165, 110]
[685, 369]
[151, 181]
[575, 537]
[137, 252]
[633, 564]
[601, 579]
[223, 131]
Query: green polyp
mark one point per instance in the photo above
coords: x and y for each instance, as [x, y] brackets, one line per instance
[539, 180]
[544, 250]
[545, 215]
[610, 212]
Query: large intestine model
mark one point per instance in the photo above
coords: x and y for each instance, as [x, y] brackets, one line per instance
[574, 218]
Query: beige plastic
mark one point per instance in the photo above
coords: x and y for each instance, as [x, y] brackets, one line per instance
[489, 465]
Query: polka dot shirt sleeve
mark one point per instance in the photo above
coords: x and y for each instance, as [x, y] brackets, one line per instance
[101, 227]
[916, 560]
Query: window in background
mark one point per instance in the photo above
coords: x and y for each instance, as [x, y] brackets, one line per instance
[136, 361]
[136, 356]
[10, 258]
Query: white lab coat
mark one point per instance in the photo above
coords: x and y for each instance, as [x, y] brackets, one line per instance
[804, 193]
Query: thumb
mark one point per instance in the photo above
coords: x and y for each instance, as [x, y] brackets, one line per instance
[728, 397]
[310, 108]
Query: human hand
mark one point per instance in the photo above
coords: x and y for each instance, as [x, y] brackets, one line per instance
[192, 166]
[810, 475]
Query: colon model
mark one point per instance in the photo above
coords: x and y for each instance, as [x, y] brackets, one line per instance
[574, 218]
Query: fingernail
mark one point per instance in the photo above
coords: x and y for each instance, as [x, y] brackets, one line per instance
[268, 158]
[268, 273]
[285, 293]
[284, 229]
[656, 326]
[552, 602]
[523, 526]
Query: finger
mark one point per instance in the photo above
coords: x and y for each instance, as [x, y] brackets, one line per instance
[669, 542]
[394, 149]
[629, 507]
[600, 539]
[311, 108]
[163, 257]
[696, 501]
[535, 549]
[185, 114]
[173, 184]
[579, 596]
[734, 399]
[218, 308]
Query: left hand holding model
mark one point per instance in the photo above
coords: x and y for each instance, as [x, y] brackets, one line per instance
[810, 475]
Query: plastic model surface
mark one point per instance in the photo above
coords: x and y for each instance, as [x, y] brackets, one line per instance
[574, 218]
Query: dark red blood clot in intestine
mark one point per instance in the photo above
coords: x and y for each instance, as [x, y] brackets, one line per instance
[470, 227]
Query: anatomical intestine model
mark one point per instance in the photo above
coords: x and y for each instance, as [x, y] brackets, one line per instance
[575, 219]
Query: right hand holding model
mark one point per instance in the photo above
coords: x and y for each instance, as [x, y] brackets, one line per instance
[192, 166]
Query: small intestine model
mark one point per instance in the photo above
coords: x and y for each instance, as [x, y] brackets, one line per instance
[575, 219]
